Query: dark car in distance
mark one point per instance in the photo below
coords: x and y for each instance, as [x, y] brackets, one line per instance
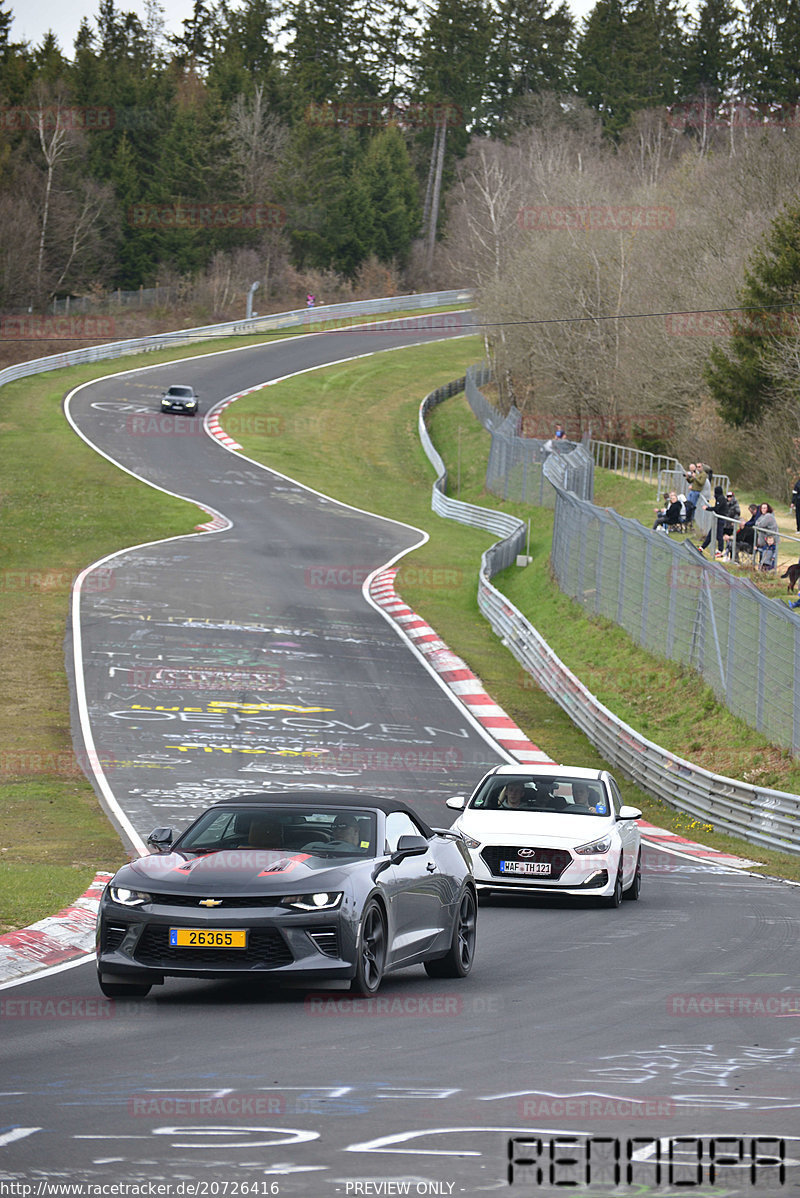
[306, 885]
[180, 399]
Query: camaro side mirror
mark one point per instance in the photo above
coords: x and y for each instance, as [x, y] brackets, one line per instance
[456, 803]
[409, 846]
[160, 839]
[629, 813]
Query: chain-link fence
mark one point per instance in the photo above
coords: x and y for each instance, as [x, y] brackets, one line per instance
[523, 468]
[679, 606]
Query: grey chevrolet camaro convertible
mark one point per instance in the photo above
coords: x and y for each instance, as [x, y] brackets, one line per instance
[308, 886]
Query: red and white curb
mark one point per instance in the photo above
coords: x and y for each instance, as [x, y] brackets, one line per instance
[215, 524]
[679, 845]
[469, 689]
[213, 425]
[54, 940]
[458, 677]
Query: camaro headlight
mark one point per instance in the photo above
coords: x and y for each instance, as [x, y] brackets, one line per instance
[595, 847]
[128, 898]
[323, 901]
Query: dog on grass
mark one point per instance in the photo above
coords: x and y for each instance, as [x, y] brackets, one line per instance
[792, 573]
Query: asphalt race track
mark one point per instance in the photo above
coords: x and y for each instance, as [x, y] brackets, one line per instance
[246, 659]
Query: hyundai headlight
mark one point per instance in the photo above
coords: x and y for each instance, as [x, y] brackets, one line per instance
[595, 847]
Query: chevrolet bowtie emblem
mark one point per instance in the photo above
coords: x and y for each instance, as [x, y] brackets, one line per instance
[210, 903]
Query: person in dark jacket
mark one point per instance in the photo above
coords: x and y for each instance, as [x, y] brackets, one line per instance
[746, 532]
[734, 511]
[671, 514]
[795, 503]
[720, 508]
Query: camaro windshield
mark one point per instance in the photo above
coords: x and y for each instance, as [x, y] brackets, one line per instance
[323, 831]
[569, 796]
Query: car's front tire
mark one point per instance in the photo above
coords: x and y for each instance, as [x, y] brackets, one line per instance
[635, 888]
[123, 989]
[458, 961]
[370, 951]
[615, 898]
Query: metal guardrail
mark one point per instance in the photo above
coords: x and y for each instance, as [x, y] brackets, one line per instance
[756, 814]
[304, 317]
[632, 463]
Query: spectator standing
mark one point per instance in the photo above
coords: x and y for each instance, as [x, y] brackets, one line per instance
[693, 477]
[766, 525]
[707, 478]
[718, 526]
[734, 511]
[795, 503]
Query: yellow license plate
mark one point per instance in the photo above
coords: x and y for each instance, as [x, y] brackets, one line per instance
[206, 938]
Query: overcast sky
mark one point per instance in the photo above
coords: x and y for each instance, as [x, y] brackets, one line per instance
[33, 19]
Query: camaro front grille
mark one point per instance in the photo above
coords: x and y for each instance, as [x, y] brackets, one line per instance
[225, 902]
[558, 860]
[265, 948]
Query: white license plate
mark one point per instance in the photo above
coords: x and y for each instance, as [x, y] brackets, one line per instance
[524, 867]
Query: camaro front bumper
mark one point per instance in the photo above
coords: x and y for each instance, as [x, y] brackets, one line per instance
[134, 945]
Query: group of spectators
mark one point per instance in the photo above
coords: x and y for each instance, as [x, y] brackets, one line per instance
[757, 535]
[680, 509]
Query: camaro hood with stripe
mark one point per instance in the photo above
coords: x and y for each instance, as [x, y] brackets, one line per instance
[245, 871]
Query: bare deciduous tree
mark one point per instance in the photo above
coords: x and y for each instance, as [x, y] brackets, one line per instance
[258, 138]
